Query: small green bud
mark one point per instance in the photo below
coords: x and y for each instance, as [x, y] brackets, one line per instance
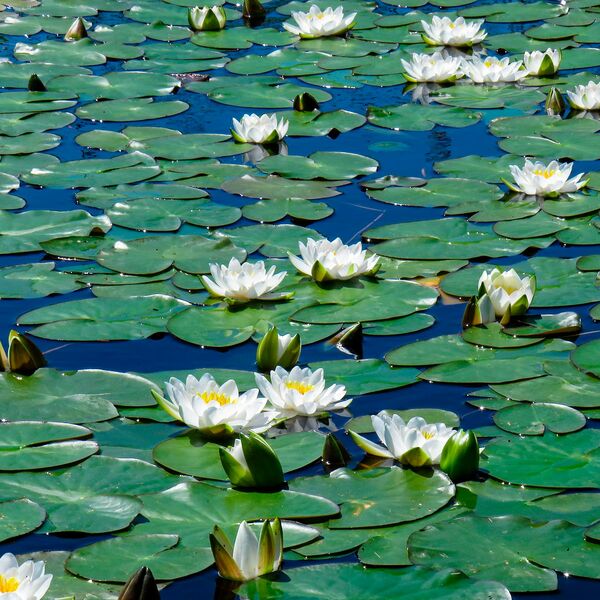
[252, 463]
[278, 350]
[460, 456]
[35, 84]
[305, 102]
[141, 586]
[335, 454]
[253, 10]
[555, 104]
[206, 19]
[24, 357]
[77, 31]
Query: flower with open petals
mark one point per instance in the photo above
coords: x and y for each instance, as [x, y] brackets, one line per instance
[325, 261]
[22, 582]
[249, 557]
[415, 443]
[493, 70]
[585, 97]
[539, 179]
[437, 67]
[446, 32]
[213, 409]
[263, 129]
[243, 282]
[542, 64]
[318, 23]
[301, 392]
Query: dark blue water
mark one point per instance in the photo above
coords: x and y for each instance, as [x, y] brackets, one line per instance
[399, 153]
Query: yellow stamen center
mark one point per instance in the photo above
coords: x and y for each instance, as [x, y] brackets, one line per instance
[488, 63]
[299, 386]
[428, 434]
[222, 399]
[452, 25]
[545, 173]
[8, 585]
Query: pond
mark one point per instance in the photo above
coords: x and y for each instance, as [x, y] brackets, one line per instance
[131, 175]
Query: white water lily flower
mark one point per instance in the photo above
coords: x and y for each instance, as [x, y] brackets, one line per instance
[301, 392]
[437, 67]
[243, 282]
[320, 23]
[324, 260]
[493, 70]
[249, 557]
[22, 582]
[446, 32]
[539, 179]
[585, 97]
[415, 443]
[506, 293]
[263, 129]
[215, 410]
[206, 18]
[542, 63]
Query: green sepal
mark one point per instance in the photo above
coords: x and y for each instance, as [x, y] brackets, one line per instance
[262, 462]
[223, 554]
[350, 340]
[555, 104]
[165, 405]
[547, 67]
[141, 586]
[266, 352]
[511, 186]
[253, 9]
[236, 137]
[270, 547]
[520, 306]
[211, 22]
[460, 456]
[319, 273]
[24, 357]
[3, 359]
[291, 354]
[415, 457]
[237, 473]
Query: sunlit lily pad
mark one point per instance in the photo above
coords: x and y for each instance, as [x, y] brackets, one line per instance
[536, 418]
[19, 517]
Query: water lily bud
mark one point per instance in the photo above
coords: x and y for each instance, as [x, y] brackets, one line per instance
[249, 557]
[555, 105]
[24, 357]
[141, 586]
[460, 456]
[253, 10]
[252, 463]
[206, 19]
[35, 84]
[278, 350]
[305, 102]
[334, 454]
[77, 31]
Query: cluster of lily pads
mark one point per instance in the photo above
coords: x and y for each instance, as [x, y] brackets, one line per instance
[261, 473]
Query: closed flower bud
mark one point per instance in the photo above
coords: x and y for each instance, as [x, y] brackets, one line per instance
[141, 586]
[253, 10]
[305, 102]
[278, 350]
[460, 456]
[206, 19]
[252, 463]
[35, 84]
[555, 105]
[249, 557]
[23, 357]
[77, 31]
[335, 454]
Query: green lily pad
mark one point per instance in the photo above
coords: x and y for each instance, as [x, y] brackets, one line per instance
[417, 117]
[379, 496]
[19, 517]
[552, 461]
[35, 280]
[30, 445]
[134, 109]
[537, 417]
[493, 335]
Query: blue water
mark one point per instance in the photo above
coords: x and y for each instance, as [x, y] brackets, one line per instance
[399, 153]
